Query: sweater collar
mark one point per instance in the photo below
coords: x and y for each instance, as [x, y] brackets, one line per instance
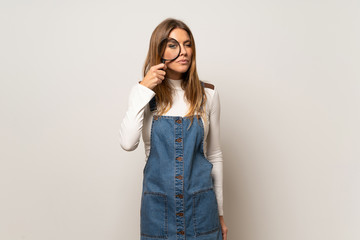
[176, 84]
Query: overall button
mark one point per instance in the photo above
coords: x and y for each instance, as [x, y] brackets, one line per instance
[178, 121]
[178, 139]
[181, 232]
[179, 158]
[179, 177]
[179, 196]
[155, 117]
[180, 214]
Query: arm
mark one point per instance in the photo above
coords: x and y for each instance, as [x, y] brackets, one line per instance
[214, 153]
[132, 123]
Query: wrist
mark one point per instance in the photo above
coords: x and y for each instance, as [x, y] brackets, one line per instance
[142, 83]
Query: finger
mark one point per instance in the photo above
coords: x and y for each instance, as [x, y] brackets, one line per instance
[161, 77]
[159, 66]
[225, 235]
[161, 72]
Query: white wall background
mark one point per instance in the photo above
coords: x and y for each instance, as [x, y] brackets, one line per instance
[288, 78]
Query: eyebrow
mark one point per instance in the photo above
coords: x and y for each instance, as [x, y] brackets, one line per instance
[188, 40]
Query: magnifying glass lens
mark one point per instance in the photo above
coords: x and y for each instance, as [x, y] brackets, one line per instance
[170, 48]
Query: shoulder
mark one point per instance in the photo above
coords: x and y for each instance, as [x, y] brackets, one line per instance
[211, 93]
[208, 85]
[209, 88]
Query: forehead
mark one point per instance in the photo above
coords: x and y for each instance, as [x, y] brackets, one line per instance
[179, 34]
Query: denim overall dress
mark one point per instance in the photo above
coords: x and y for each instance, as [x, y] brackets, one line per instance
[178, 200]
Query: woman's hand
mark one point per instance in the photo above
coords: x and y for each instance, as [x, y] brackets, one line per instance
[154, 76]
[223, 227]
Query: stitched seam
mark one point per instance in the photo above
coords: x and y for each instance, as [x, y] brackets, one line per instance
[193, 215]
[202, 143]
[151, 138]
[174, 142]
[208, 232]
[183, 164]
[151, 236]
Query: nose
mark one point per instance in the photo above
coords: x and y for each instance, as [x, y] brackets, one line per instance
[182, 50]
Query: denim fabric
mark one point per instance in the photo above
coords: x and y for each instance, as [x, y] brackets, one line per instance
[178, 200]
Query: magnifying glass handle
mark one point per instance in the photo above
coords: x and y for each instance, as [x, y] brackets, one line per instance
[163, 61]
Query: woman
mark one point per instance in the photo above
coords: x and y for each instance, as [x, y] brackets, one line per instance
[179, 118]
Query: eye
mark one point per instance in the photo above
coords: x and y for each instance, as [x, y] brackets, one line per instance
[172, 46]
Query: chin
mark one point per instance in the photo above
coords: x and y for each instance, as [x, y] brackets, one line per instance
[183, 69]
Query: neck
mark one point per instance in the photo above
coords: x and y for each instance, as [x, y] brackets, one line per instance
[174, 75]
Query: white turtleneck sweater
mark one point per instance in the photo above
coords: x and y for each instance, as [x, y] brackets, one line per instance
[138, 118]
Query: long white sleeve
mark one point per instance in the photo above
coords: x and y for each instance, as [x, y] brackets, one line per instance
[214, 153]
[132, 124]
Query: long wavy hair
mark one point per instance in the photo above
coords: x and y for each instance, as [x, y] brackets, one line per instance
[194, 91]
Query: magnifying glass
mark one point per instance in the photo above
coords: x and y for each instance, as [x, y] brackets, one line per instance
[169, 49]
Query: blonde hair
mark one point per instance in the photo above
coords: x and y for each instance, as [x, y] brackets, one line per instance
[194, 92]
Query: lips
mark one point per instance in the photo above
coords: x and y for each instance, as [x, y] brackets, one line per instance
[183, 61]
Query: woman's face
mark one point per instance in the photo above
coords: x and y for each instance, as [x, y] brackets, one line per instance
[176, 68]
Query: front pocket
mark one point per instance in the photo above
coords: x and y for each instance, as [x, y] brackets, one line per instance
[205, 214]
[153, 214]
